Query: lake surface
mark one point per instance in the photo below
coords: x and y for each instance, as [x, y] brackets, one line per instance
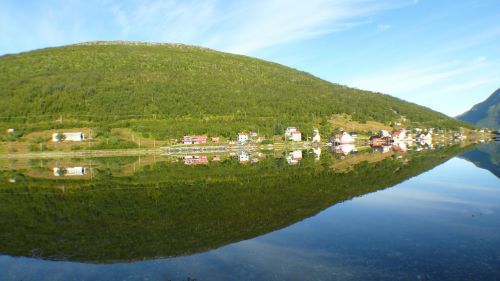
[427, 213]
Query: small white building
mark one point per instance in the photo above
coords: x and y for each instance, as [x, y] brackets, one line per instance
[77, 136]
[243, 137]
[296, 136]
[10, 130]
[289, 131]
[384, 133]
[316, 136]
[71, 171]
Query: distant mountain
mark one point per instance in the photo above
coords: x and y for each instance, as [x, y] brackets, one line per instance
[486, 113]
[485, 157]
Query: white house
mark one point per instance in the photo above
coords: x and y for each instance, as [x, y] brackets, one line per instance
[289, 131]
[384, 133]
[75, 171]
[243, 137]
[10, 130]
[296, 136]
[316, 136]
[77, 136]
[71, 171]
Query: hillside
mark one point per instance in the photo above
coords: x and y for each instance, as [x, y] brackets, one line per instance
[168, 90]
[486, 113]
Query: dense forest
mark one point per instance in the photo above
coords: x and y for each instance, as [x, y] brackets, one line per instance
[168, 90]
[169, 209]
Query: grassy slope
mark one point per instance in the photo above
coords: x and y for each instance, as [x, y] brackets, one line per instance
[191, 89]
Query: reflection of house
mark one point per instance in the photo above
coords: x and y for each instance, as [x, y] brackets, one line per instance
[400, 146]
[216, 158]
[294, 157]
[426, 137]
[342, 138]
[344, 149]
[72, 171]
[194, 140]
[78, 136]
[380, 141]
[243, 156]
[317, 152]
[195, 160]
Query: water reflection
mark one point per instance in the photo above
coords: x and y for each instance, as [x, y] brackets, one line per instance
[263, 221]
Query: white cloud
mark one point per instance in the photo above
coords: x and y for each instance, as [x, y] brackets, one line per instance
[243, 26]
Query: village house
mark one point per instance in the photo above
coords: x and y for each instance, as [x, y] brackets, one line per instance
[342, 138]
[316, 136]
[384, 133]
[289, 131]
[194, 140]
[296, 136]
[10, 130]
[243, 138]
[71, 171]
[76, 136]
[215, 139]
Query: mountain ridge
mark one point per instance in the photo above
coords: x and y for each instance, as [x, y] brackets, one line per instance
[485, 113]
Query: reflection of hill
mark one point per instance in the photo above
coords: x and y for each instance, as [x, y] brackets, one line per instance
[486, 157]
[171, 209]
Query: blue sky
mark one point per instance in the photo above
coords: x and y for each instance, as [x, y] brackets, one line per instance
[442, 54]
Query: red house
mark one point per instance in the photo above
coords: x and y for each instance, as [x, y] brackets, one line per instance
[194, 140]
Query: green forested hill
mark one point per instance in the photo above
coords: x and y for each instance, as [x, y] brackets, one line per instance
[190, 89]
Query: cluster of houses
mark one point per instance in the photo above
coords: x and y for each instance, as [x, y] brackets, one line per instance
[401, 135]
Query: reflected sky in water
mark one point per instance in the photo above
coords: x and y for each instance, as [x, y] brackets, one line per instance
[441, 225]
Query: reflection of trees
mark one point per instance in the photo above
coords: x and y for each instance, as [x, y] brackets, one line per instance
[170, 209]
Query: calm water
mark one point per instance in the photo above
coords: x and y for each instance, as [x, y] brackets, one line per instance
[426, 215]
